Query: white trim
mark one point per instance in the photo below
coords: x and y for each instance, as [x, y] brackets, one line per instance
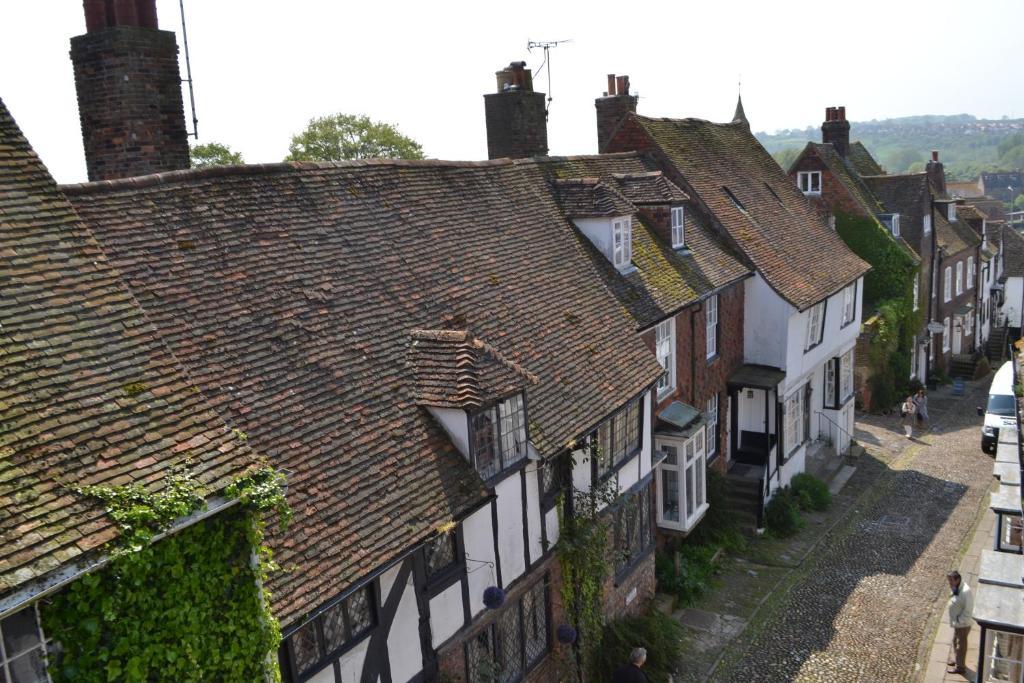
[687, 469]
[917, 290]
[947, 284]
[815, 323]
[622, 242]
[946, 332]
[665, 352]
[959, 278]
[849, 303]
[809, 182]
[711, 327]
[678, 227]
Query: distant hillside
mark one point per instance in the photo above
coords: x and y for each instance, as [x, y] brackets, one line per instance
[966, 145]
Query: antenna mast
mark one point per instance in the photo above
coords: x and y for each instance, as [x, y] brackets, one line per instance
[546, 45]
[188, 72]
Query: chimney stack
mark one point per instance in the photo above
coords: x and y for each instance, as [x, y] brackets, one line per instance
[129, 91]
[936, 174]
[612, 108]
[517, 120]
[836, 130]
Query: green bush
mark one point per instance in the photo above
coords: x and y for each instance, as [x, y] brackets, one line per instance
[659, 633]
[812, 493]
[692, 579]
[782, 515]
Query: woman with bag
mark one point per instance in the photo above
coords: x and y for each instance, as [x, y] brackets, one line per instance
[907, 412]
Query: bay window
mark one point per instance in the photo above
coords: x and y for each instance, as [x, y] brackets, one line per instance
[682, 494]
[665, 350]
[499, 436]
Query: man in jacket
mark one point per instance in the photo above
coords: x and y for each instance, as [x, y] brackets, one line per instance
[632, 673]
[961, 606]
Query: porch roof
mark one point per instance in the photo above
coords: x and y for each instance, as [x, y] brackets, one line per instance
[679, 419]
[756, 377]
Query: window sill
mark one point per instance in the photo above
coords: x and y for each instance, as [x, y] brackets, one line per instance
[808, 349]
[682, 250]
[712, 358]
[666, 392]
[812, 194]
[602, 477]
[847, 323]
[494, 479]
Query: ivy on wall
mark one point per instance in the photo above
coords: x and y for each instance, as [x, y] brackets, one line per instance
[187, 608]
[888, 295]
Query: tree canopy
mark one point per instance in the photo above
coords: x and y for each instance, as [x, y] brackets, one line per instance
[214, 154]
[345, 136]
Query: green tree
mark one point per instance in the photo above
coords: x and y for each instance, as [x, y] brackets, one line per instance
[344, 136]
[786, 157]
[214, 154]
[1013, 158]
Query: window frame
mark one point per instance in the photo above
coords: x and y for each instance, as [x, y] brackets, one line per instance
[42, 645]
[711, 327]
[443, 574]
[830, 380]
[316, 622]
[917, 291]
[602, 468]
[808, 345]
[959, 278]
[790, 444]
[625, 559]
[519, 427]
[947, 284]
[622, 253]
[845, 378]
[678, 229]
[895, 225]
[525, 663]
[711, 427]
[970, 273]
[927, 224]
[665, 353]
[690, 457]
[947, 334]
[849, 305]
[805, 179]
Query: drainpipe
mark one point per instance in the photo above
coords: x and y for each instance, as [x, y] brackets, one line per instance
[693, 356]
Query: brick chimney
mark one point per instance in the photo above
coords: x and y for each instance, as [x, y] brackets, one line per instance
[612, 108]
[936, 173]
[129, 91]
[517, 121]
[836, 129]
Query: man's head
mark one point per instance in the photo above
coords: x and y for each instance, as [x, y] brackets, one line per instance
[920, 392]
[954, 580]
[638, 656]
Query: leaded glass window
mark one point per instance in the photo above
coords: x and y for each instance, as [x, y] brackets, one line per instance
[535, 623]
[22, 648]
[499, 436]
[336, 627]
[633, 533]
[506, 649]
[618, 437]
[440, 552]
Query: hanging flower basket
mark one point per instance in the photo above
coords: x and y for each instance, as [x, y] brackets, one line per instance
[494, 597]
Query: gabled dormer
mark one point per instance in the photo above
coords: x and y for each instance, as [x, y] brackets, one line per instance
[602, 214]
[660, 203]
[891, 221]
[477, 395]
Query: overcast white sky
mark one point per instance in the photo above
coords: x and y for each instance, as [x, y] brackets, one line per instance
[262, 69]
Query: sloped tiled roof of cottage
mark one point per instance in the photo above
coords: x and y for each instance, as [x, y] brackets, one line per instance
[905, 194]
[967, 189]
[89, 395]
[589, 198]
[290, 292]
[862, 161]
[664, 279]
[967, 212]
[1013, 252]
[848, 176]
[453, 369]
[954, 237]
[759, 206]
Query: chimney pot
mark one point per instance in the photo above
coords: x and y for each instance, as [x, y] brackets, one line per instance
[842, 113]
[125, 14]
[621, 85]
[95, 15]
[611, 85]
[145, 10]
[935, 155]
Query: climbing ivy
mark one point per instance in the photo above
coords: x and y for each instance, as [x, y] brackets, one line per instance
[892, 268]
[583, 555]
[188, 608]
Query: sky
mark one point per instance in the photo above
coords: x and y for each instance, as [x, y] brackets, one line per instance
[262, 69]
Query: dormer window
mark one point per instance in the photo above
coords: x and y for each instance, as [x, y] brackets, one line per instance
[809, 182]
[622, 242]
[498, 436]
[678, 228]
[895, 225]
[891, 221]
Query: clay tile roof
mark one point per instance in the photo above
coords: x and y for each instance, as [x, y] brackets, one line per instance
[290, 290]
[844, 171]
[965, 189]
[651, 187]
[954, 237]
[967, 212]
[862, 161]
[726, 168]
[1013, 252]
[664, 280]
[589, 198]
[453, 369]
[88, 393]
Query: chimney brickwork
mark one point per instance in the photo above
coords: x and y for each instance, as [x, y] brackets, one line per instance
[836, 130]
[129, 91]
[516, 116]
[936, 174]
[612, 108]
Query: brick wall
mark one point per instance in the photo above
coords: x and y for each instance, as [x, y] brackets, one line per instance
[129, 102]
[610, 111]
[516, 124]
[834, 195]
[946, 309]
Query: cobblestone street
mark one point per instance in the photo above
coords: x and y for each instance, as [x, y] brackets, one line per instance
[866, 601]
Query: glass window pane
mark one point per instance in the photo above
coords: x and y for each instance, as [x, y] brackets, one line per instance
[535, 623]
[484, 447]
[29, 668]
[480, 658]
[304, 647]
[689, 491]
[21, 632]
[360, 612]
[440, 552]
[670, 495]
[332, 622]
[671, 454]
[511, 648]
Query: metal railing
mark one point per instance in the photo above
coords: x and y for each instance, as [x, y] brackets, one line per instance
[844, 437]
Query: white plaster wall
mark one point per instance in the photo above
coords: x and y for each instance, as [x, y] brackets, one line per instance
[351, 665]
[599, 232]
[476, 531]
[456, 424]
[325, 675]
[794, 466]
[551, 521]
[647, 455]
[404, 651]
[799, 365]
[1012, 300]
[533, 513]
[446, 613]
[581, 470]
[629, 473]
[510, 528]
[765, 329]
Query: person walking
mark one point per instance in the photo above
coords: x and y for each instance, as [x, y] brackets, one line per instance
[907, 411]
[632, 672]
[921, 404]
[961, 607]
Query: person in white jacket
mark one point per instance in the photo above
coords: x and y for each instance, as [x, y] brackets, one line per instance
[961, 607]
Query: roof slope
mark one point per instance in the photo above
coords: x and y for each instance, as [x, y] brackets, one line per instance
[766, 215]
[291, 290]
[88, 393]
[1013, 252]
[902, 194]
[665, 279]
[847, 175]
[862, 161]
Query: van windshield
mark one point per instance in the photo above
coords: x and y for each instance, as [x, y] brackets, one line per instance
[1000, 404]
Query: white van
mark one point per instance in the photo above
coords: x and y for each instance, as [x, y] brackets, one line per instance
[1001, 410]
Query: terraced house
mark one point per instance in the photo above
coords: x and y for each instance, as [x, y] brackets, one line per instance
[802, 306]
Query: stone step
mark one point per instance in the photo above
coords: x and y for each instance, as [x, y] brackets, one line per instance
[840, 479]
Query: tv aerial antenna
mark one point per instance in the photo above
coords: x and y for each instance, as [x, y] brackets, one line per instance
[188, 72]
[546, 45]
